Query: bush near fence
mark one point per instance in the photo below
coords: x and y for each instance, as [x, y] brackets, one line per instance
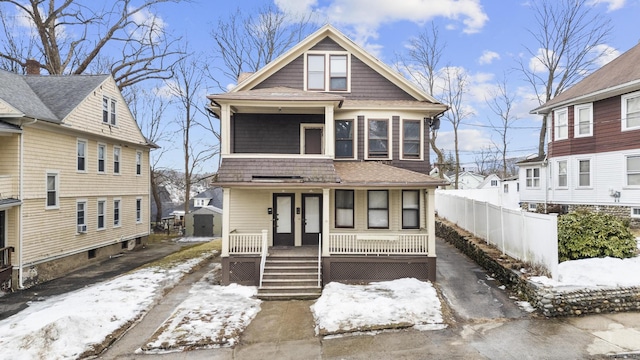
[548, 300]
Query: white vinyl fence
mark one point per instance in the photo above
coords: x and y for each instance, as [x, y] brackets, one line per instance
[526, 236]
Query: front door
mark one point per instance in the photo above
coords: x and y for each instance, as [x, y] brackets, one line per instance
[312, 218]
[313, 141]
[283, 234]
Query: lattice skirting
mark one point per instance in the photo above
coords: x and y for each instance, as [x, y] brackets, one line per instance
[241, 270]
[355, 270]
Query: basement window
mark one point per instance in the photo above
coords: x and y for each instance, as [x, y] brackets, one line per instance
[92, 254]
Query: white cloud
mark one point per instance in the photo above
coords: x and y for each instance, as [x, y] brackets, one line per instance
[612, 5]
[608, 53]
[488, 56]
[537, 63]
[148, 25]
[468, 140]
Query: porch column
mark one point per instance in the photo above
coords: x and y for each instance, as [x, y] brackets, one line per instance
[325, 222]
[329, 125]
[431, 220]
[226, 193]
[225, 126]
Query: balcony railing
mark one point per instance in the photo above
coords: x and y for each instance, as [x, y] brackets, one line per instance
[378, 244]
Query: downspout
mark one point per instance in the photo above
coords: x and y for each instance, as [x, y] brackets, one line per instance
[21, 197]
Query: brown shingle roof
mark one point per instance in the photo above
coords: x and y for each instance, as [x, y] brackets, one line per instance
[238, 170]
[362, 173]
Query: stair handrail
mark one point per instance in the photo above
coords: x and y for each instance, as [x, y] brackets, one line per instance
[319, 258]
[263, 255]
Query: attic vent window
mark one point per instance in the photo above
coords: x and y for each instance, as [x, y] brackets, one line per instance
[277, 178]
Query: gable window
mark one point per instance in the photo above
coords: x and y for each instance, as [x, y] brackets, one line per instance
[315, 72]
[410, 209]
[344, 208]
[411, 139]
[338, 72]
[378, 209]
[630, 111]
[583, 119]
[633, 170]
[102, 154]
[344, 139]
[138, 163]
[138, 210]
[561, 127]
[116, 160]
[378, 142]
[494, 183]
[116, 212]
[82, 155]
[52, 190]
[533, 178]
[101, 210]
[108, 110]
[327, 71]
[584, 173]
[81, 208]
[562, 173]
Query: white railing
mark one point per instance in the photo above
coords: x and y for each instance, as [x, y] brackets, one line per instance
[319, 258]
[263, 255]
[379, 244]
[240, 244]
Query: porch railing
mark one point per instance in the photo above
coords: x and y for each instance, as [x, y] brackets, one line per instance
[5, 268]
[250, 243]
[263, 255]
[378, 244]
[319, 259]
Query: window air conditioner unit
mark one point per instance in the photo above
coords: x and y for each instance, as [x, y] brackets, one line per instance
[82, 228]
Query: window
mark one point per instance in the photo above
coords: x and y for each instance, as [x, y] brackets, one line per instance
[561, 128]
[378, 131]
[52, 190]
[410, 209]
[327, 71]
[494, 183]
[635, 212]
[344, 208]
[633, 170]
[315, 72]
[584, 173]
[505, 188]
[378, 209]
[116, 212]
[630, 111]
[411, 139]
[138, 210]
[344, 139]
[533, 207]
[82, 155]
[562, 173]
[533, 178]
[337, 72]
[101, 210]
[102, 155]
[81, 209]
[138, 163]
[108, 110]
[116, 160]
[583, 119]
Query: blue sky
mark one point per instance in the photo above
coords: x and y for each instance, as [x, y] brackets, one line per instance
[484, 38]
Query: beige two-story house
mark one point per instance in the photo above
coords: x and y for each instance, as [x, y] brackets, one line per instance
[74, 175]
[325, 163]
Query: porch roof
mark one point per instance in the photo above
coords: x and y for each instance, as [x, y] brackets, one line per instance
[279, 93]
[361, 173]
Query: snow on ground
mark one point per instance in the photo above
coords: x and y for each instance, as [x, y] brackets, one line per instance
[212, 316]
[598, 272]
[66, 326]
[380, 305]
[193, 239]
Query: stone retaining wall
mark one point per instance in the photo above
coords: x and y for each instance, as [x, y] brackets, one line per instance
[550, 301]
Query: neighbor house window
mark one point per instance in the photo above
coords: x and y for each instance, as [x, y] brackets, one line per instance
[630, 111]
[138, 210]
[411, 139]
[561, 125]
[410, 209]
[505, 188]
[344, 139]
[378, 209]
[116, 160]
[635, 212]
[327, 71]
[562, 173]
[533, 207]
[633, 170]
[116, 212]
[337, 72]
[81, 212]
[138, 162]
[533, 178]
[494, 183]
[378, 138]
[52, 190]
[108, 110]
[584, 172]
[102, 155]
[101, 211]
[82, 155]
[583, 120]
[344, 208]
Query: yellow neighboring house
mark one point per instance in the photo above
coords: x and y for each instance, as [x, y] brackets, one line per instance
[74, 176]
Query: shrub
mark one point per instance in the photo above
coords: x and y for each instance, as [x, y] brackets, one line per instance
[585, 234]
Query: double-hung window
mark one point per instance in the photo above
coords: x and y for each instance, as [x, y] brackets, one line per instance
[411, 139]
[633, 170]
[116, 212]
[562, 174]
[102, 157]
[82, 155]
[378, 138]
[378, 209]
[410, 209]
[138, 163]
[109, 111]
[116, 160]
[337, 72]
[101, 214]
[344, 208]
[138, 210]
[315, 72]
[81, 218]
[561, 124]
[533, 178]
[344, 139]
[52, 190]
[583, 120]
[584, 173]
[630, 111]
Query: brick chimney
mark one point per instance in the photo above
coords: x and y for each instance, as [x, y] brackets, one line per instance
[33, 67]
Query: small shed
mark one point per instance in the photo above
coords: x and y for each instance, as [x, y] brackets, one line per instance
[204, 222]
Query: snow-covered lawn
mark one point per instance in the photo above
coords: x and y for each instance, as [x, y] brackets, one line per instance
[381, 305]
[212, 316]
[599, 272]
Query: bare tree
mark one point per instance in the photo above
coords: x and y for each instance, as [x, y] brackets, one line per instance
[486, 161]
[70, 36]
[501, 104]
[246, 43]
[421, 65]
[454, 88]
[565, 49]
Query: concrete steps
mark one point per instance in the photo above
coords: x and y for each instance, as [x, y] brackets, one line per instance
[289, 277]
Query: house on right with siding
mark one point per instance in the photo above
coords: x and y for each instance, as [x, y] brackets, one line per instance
[593, 156]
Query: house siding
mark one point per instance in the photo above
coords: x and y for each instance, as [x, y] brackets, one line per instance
[9, 163]
[327, 44]
[269, 133]
[291, 75]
